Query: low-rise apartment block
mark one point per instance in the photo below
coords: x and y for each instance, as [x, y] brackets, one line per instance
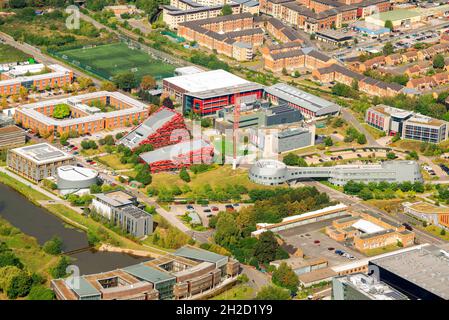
[89, 113]
[38, 161]
[36, 76]
[11, 136]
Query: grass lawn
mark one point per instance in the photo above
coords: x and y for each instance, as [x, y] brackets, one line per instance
[238, 292]
[408, 145]
[113, 161]
[377, 251]
[26, 249]
[390, 205]
[11, 54]
[112, 59]
[218, 177]
[436, 231]
[27, 191]
[376, 133]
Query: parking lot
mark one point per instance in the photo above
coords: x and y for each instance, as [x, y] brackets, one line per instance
[315, 243]
[204, 211]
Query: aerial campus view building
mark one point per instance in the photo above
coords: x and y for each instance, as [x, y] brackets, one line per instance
[89, 113]
[36, 76]
[187, 272]
[38, 161]
[273, 172]
[73, 178]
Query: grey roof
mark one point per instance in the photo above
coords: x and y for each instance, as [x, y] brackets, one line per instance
[292, 132]
[84, 289]
[172, 151]
[425, 267]
[135, 212]
[199, 254]
[147, 273]
[306, 100]
[148, 127]
[115, 201]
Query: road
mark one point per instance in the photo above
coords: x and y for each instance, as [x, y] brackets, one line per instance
[356, 203]
[257, 279]
[349, 117]
[41, 57]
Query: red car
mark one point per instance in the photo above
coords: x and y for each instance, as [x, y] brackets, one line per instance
[317, 242]
[75, 148]
[214, 208]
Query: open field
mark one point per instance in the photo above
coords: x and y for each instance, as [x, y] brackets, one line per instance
[113, 161]
[112, 59]
[11, 54]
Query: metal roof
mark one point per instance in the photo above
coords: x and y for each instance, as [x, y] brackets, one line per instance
[199, 254]
[147, 273]
[306, 100]
[81, 287]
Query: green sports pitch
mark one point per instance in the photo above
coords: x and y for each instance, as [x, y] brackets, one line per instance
[112, 59]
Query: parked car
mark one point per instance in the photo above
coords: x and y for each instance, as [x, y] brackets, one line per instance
[207, 210]
[190, 207]
[317, 241]
[339, 252]
[407, 226]
[214, 208]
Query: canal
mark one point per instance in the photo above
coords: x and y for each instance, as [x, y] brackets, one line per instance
[42, 225]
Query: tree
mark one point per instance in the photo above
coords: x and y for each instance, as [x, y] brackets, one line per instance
[168, 103]
[328, 142]
[39, 292]
[226, 10]
[147, 82]
[61, 111]
[438, 61]
[125, 81]
[144, 175]
[292, 159]
[271, 292]
[443, 232]
[8, 258]
[108, 86]
[19, 286]
[389, 25]
[413, 155]
[17, 4]
[285, 277]
[85, 82]
[53, 246]
[355, 85]
[361, 139]
[227, 232]
[366, 194]
[184, 175]
[388, 49]
[59, 271]
[391, 155]
[266, 248]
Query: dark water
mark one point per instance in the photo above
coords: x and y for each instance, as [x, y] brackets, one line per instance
[42, 225]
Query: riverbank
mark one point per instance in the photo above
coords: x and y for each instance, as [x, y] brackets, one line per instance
[94, 230]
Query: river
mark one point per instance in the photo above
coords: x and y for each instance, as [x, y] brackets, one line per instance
[42, 225]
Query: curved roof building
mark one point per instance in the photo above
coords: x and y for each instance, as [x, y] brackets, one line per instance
[273, 172]
[72, 177]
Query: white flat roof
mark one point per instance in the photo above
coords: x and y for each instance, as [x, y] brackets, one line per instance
[367, 226]
[74, 173]
[42, 153]
[208, 80]
[183, 71]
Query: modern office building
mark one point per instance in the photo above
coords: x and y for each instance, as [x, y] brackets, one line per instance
[115, 110]
[36, 76]
[187, 272]
[273, 172]
[360, 286]
[310, 105]
[11, 136]
[259, 115]
[180, 155]
[122, 208]
[408, 124]
[282, 140]
[38, 161]
[205, 93]
[419, 274]
[75, 178]
[429, 212]
[163, 127]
